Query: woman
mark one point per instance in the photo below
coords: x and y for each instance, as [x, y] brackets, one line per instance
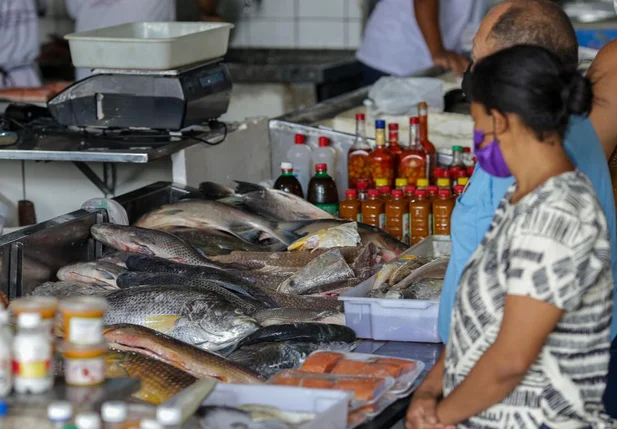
[530, 334]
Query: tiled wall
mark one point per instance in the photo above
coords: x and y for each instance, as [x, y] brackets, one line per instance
[308, 24]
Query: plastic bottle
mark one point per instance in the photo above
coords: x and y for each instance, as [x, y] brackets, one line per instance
[421, 220]
[363, 185]
[410, 191]
[32, 356]
[468, 157]
[287, 182]
[114, 414]
[397, 216]
[6, 355]
[432, 193]
[300, 156]
[463, 181]
[442, 212]
[59, 414]
[458, 190]
[412, 162]
[358, 162]
[401, 183]
[457, 163]
[88, 421]
[325, 154]
[393, 143]
[373, 210]
[351, 207]
[322, 190]
[429, 148]
[386, 193]
[382, 161]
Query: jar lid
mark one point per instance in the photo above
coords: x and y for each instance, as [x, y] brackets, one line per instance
[114, 412]
[287, 166]
[88, 421]
[60, 411]
[401, 182]
[84, 303]
[321, 167]
[381, 182]
[373, 193]
[422, 183]
[33, 303]
[352, 193]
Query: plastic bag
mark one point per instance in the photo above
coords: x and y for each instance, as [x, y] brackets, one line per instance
[400, 96]
[115, 211]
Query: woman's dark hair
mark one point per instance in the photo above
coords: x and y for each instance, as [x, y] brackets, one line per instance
[533, 83]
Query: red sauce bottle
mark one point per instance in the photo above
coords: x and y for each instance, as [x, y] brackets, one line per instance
[382, 161]
[358, 162]
[429, 147]
[412, 163]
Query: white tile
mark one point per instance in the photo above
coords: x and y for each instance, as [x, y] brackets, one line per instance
[355, 8]
[271, 33]
[320, 34]
[321, 9]
[240, 34]
[354, 33]
[272, 9]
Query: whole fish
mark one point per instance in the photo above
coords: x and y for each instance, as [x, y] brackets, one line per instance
[91, 272]
[195, 316]
[300, 332]
[242, 299]
[270, 203]
[153, 243]
[326, 269]
[405, 268]
[280, 316]
[67, 289]
[159, 381]
[404, 264]
[213, 242]
[436, 269]
[202, 214]
[233, 418]
[342, 235]
[196, 362]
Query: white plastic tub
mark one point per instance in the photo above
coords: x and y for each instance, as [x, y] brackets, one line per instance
[396, 319]
[149, 45]
[329, 405]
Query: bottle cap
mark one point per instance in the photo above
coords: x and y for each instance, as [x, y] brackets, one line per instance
[422, 105]
[351, 193]
[466, 150]
[444, 193]
[360, 117]
[432, 190]
[168, 416]
[463, 181]
[114, 412]
[287, 166]
[150, 424]
[410, 189]
[421, 193]
[414, 120]
[60, 411]
[440, 172]
[88, 421]
[460, 172]
[397, 193]
[373, 193]
[321, 167]
[28, 320]
[362, 184]
[300, 139]
[392, 127]
[459, 189]
[443, 182]
[380, 124]
[457, 148]
[401, 182]
[323, 141]
[381, 182]
[393, 135]
[4, 408]
[422, 183]
[384, 190]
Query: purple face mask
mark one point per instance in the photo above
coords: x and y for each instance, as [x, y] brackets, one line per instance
[490, 157]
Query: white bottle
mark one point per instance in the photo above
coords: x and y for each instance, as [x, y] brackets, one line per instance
[32, 356]
[6, 355]
[300, 156]
[88, 421]
[325, 154]
[60, 413]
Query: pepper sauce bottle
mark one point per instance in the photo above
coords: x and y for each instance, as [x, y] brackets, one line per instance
[429, 148]
[350, 208]
[442, 212]
[393, 144]
[412, 163]
[358, 162]
[373, 210]
[397, 216]
[421, 223]
[382, 161]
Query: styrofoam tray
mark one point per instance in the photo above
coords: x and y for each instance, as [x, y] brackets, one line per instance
[330, 406]
[396, 319]
[149, 45]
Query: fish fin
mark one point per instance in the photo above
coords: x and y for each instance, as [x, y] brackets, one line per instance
[246, 187]
[232, 201]
[295, 225]
[161, 322]
[214, 191]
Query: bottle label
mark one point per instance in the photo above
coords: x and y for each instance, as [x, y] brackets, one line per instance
[35, 369]
[405, 230]
[359, 218]
[382, 220]
[330, 208]
[84, 372]
[85, 330]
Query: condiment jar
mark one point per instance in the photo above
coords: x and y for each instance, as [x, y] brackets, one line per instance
[82, 318]
[84, 365]
[397, 216]
[32, 356]
[44, 306]
[442, 212]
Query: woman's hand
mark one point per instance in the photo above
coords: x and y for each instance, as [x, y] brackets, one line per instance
[422, 412]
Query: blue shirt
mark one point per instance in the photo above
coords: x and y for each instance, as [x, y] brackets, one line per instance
[474, 211]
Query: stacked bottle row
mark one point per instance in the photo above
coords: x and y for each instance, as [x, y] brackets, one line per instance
[409, 213]
[305, 160]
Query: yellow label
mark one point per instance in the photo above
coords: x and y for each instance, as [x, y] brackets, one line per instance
[38, 369]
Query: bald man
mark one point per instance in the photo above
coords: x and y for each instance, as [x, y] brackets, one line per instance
[536, 22]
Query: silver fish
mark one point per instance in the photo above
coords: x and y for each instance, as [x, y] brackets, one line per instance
[436, 269]
[404, 264]
[67, 289]
[91, 272]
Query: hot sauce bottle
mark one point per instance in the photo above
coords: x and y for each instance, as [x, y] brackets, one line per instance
[421, 218]
[412, 163]
[393, 143]
[350, 208]
[397, 216]
[373, 210]
[429, 148]
[442, 212]
[382, 161]
[358, 162]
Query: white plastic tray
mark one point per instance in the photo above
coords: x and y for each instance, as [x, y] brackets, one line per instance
[396, 319]
[149, 45]
[329, 405]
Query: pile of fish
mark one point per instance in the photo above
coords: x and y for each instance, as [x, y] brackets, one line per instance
[207, 288]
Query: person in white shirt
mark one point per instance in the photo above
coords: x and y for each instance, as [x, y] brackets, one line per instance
[94, 14]
[19, 47]
[405, 37]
